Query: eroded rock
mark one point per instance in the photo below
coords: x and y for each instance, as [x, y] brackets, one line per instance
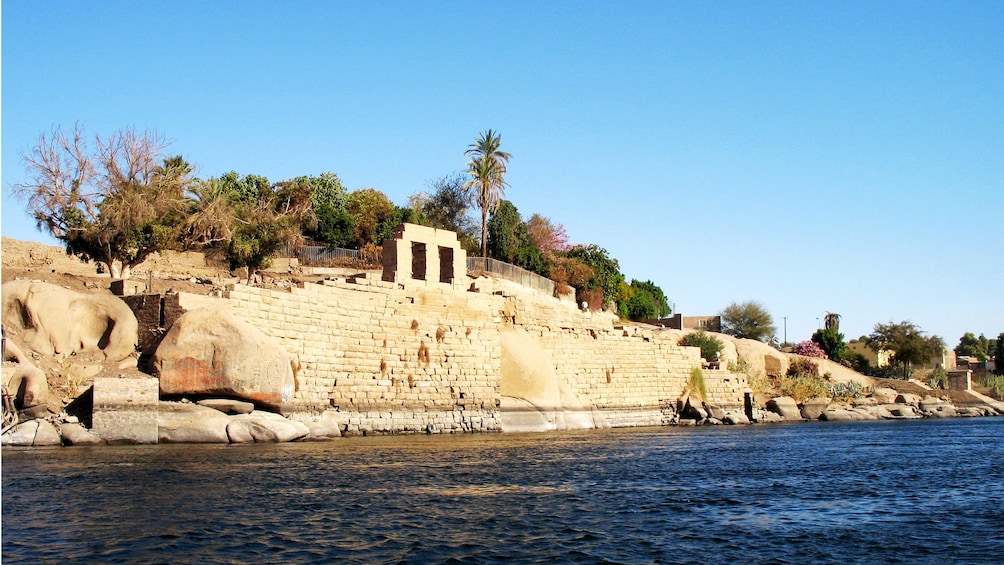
[212, 352]
[786, 407]
[179, 422]
[50, 319]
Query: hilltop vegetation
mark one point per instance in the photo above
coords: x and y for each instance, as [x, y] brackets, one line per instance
[118, 199]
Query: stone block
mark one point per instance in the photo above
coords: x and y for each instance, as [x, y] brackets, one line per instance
[125, 409]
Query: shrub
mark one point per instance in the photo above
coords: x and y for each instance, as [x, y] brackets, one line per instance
[848, 391]
[710, 345]
[758, 381]
[938, 378]
[804, 387]
[996, 385]
[695, 384]
[809, 349]
[801, 366]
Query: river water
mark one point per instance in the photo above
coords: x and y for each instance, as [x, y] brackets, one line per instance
[927, 491]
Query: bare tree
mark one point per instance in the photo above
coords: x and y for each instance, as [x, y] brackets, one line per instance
[114, 204]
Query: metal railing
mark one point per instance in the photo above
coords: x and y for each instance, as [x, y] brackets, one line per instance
[320, 256]
[511, 273]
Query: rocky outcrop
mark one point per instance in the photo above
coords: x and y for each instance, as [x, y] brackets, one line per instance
[786, 407]
[179, 422]
[212, 352]
[52, 320]
[813, 408]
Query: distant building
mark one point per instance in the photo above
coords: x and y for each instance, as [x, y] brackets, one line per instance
[883, 358]
[681, 322]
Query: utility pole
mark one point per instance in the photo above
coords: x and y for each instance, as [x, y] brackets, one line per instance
[785, 329]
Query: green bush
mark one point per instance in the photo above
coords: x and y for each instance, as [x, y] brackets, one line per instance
[710, 345]
[938, 378]
[758, 381]
[848, 391]
[996, 385]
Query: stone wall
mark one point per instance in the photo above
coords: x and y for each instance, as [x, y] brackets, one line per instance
[411, 358]
[389, 359]
[419, 348]
[125, 409]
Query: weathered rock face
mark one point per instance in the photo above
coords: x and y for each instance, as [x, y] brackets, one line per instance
[885, 395]
[28, 385]
[50, 319]
[814, 407]
[786, 407]
[212, 352]
[533, 398]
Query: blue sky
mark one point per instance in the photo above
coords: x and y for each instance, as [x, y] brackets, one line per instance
[844, 156]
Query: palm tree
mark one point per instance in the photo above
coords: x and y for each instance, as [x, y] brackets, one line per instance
[487, 169]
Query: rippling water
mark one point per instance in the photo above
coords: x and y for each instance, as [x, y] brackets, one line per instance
[878, 492]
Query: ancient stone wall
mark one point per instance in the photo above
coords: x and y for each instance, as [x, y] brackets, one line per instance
[389, 359]
[420, 348]
[399, 358]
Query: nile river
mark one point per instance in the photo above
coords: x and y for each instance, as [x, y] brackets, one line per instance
[927, 491]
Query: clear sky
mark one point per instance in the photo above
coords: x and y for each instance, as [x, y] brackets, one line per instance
[813, 156]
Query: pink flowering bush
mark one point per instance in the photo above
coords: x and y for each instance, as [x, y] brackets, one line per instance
[809, 349]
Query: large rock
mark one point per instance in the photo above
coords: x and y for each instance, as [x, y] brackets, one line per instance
[210, 351]
[28, 385]
[180, 422]
[786, 407]
[75, 434]
[907, 398]
[885, 395]
[736, 418]
[264, 427]
[21, 435]
[47, 435]
[328, 425]
[841, 415]
[812, 408]
[50, 319]
[693, 409]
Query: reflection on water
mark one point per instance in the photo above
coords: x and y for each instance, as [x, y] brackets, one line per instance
[926, 491]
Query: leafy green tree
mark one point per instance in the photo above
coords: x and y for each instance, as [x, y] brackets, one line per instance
[326, 217]
[710, 345]
[831, 342]
[747, 320]
[371, 210]
[606, 279]
[971, 346]
[115, 203]
[908, 344]
[487, 169]
[644, 301]
[509, 240]
[251, 219]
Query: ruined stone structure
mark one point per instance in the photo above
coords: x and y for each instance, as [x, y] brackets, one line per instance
[421, 349]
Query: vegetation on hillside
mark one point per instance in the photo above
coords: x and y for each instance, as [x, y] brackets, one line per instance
[116, 200]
